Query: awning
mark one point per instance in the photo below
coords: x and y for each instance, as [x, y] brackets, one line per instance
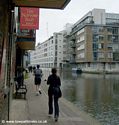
[53, 4]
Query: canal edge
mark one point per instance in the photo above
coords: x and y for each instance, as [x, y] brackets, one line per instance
[85, 116]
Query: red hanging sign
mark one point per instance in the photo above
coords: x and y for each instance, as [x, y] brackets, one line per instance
[29, 18]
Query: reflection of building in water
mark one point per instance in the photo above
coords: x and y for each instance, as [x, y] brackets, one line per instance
[95, 94]
[93, 90]
[116, 88]
[74, 75]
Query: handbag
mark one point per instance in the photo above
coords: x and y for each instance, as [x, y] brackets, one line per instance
[57, 92]
[60, 92]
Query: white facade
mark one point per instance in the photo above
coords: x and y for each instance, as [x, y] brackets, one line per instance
[99, 16]
[49, 53]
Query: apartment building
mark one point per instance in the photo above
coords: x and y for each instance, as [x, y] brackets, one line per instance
[94, 42]
[50, 53]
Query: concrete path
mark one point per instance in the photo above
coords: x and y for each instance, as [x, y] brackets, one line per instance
[34, 110]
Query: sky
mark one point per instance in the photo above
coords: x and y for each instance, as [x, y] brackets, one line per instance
[54, 20]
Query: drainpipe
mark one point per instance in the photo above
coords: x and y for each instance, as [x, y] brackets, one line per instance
[10, 43]
[104, 69]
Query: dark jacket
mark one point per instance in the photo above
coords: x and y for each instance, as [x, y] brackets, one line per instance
[53, 81]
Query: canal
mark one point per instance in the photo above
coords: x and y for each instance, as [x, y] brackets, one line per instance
[95, 94]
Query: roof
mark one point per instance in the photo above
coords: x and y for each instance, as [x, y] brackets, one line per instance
[51, 4]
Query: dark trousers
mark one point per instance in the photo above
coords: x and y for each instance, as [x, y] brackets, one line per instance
[56, 105]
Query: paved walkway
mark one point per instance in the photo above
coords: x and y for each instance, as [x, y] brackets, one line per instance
[34, 110]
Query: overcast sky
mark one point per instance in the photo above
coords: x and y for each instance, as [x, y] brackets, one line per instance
[54, 20]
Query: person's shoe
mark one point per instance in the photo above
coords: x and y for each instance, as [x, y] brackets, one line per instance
[40, 92]
[56, 118]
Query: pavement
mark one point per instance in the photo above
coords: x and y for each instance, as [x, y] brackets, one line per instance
[34, 110]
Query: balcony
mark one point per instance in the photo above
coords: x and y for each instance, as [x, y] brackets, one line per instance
[73, 45]
[73, 52]
[73, 38]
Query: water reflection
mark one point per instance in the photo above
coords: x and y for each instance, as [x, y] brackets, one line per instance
[95, 94]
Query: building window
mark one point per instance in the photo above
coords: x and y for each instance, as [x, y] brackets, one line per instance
[109, 55]
[115, 30]
[109, 29]
[89, 65]
[100, 55]
[55, 58]
[95, 46]
[101, 45]
[115, 38]
[55, 41]
[55, 47]
[101, 37]
[109, 37]
[95, 54]
[55, 53]
[116, 56]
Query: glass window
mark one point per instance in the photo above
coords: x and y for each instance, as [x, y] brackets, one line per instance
[109, 29]
[95, 46]
[100, 55]
[109, 37]
[101, 38]
[95, 54]
[115, 30]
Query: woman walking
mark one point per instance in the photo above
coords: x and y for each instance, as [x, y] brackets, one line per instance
[54, 93]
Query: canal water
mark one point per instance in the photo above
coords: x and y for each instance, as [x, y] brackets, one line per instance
[95, 94]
